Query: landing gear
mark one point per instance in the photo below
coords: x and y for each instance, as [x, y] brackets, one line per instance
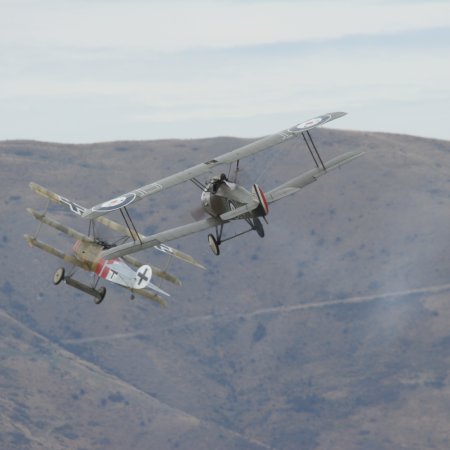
[98, 294]
[215, 241]
[213, 244]
[59, 275]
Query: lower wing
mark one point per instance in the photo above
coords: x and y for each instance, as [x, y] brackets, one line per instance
[159, 238]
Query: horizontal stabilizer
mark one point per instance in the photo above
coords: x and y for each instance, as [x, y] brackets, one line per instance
[157, 289]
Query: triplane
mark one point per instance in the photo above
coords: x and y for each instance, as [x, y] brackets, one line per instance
[87, 254]
[224, 200]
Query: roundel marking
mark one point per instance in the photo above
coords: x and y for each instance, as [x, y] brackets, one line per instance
[311, 123]
[116, 203]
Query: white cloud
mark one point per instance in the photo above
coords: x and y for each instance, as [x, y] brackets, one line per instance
[102, 68]
[176, 25]
[293, 83]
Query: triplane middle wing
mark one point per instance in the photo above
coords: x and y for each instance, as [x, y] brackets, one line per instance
[224, 200]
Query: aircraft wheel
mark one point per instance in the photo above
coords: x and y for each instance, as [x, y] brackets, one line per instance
[213, 244]
[258, 226]
[59, 275]
[102, 292]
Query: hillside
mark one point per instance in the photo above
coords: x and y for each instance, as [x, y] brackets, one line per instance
[331, 332]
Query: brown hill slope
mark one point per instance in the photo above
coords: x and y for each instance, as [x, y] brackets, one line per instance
[287, 342]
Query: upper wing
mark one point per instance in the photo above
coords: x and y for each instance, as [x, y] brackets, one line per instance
[44, 192]
[199, 169]
[295, 184]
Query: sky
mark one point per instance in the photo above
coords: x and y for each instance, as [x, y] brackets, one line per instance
[81, 71]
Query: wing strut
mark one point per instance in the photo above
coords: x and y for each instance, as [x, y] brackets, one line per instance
[197, 183]
[311, 146]
[130, 224]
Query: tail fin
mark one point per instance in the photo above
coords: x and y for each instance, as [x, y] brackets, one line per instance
[143, 277]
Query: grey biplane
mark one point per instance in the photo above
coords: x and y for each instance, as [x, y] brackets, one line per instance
[87, 254]
[224, 200]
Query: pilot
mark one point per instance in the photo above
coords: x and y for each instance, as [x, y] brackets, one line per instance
[217, 181]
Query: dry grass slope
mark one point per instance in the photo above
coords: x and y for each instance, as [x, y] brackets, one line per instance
[332, 332]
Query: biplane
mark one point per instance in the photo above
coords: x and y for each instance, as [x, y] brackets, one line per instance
[224, 200]
[87, 255]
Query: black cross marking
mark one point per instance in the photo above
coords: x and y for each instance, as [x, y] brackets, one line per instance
[77, 209]
[142, 277]
[114, 273]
